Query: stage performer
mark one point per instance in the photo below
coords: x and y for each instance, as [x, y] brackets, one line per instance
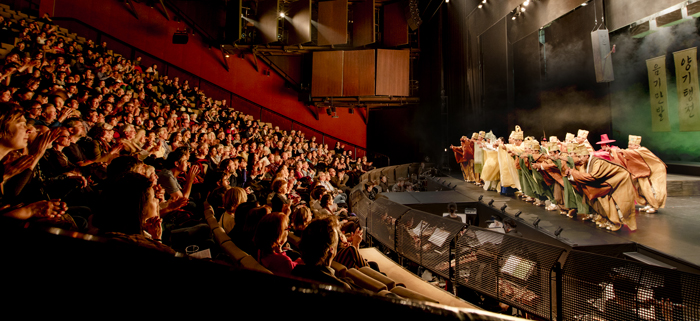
[609, 188]
[551, 169]
[510, 180]
[582, 138]
[464, 154]
[606, 149]
[478, 157]
[490, 173]
[648, 171]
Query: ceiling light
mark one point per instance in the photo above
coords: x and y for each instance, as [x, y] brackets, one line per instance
[447, 1]
[281, 14]
[522, 9]
[513, 18]
[483, 1]
[481, 6]
[527, 2]
[584, 4]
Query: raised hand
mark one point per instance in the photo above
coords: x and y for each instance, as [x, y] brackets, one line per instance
[154, 227]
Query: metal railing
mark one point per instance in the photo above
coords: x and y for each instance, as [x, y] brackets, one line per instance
[523, 273]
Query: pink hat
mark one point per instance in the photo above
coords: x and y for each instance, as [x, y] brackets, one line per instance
[605, 140]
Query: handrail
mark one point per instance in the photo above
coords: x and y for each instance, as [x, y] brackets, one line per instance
[168, 65]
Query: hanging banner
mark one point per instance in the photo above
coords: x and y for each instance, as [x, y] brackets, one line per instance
[656, 67]
[687, 85]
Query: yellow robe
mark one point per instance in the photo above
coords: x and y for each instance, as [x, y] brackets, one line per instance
[490, 173]
[506, 164]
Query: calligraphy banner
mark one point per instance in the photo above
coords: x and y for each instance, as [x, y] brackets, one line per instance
[687, 85]
[658, 94]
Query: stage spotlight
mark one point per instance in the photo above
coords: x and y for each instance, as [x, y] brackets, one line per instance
[584, 4]
[328, 111]
[513, 18]
[503, 208]
[447, 1]
[491, 202]
[483, 1]
[536, 223]
[518, 213]
[522, 9]
[480, 6]
[481, 197]
[558, 231]
[281, 14]
[527, 2]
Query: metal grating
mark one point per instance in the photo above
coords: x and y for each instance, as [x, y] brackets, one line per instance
[401, 171]
[389, 172]
[425, 238]
[382, 220]
[512, 269]
[597, 287]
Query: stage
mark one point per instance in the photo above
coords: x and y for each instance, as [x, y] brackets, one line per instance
[673, 231]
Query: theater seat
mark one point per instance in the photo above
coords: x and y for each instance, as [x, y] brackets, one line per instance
[364, 281]
[340, 270]
[389, 283]
[410, 294]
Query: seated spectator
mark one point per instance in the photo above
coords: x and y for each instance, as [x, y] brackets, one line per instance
[319, 244]
[232, 199]
[348, 252]
[270, 238]
[177, 163]
[130, 212]
[279, 200]
[301, 217]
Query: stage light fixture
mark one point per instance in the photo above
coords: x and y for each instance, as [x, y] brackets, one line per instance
[522, 9]
[536, 223]
[481, 6]
[518, 213]
[328, 111]
[481, 197]
[281, 14]
[513, 17]
[447, 1]
[584, 4]
[483, 1]
[491, 202]
[503, 208]
[558, 231]
[351, 111]
[526, 3]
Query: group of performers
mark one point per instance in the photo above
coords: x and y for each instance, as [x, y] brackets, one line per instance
[601, 185]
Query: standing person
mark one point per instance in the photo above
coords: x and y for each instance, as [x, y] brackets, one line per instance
[464, 155]
[478, 156]
[510, 180]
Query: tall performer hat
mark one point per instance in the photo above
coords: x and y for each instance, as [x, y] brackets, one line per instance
[582, 134]
[636, 140]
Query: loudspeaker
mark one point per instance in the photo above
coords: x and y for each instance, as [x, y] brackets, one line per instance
[600, 39]
[180, 38]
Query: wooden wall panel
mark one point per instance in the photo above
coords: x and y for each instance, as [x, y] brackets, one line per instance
[363, 23]
[393, 72]
[358, 73]
[395, 31]
[327, 74]
[300, 16]
[332, 22]
[267, 23]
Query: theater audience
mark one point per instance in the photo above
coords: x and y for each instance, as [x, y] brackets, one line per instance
[270, 238]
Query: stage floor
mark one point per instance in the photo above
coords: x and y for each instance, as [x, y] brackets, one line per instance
[674, 230]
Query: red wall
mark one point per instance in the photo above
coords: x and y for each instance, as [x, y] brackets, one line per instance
[152, 33]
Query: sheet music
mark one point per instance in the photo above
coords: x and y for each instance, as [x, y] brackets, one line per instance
[439, 237]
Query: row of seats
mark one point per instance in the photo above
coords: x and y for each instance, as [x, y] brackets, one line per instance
[365, 277]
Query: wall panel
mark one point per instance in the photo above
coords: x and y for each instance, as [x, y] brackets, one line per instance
[332, 22]
[327, 74]
[363, 23]
[395, 31]
[392, 72]
[359, 73]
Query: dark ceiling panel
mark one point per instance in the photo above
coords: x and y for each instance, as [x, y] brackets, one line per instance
[363, 23]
